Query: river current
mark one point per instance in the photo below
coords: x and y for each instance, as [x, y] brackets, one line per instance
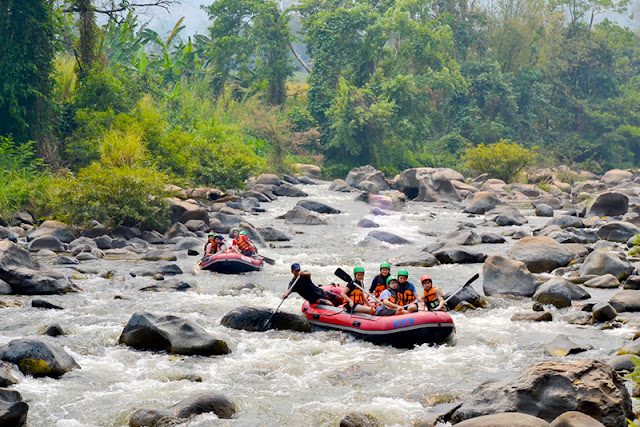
[282, 378]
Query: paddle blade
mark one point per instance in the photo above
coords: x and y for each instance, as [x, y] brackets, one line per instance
[342, 274]
[268, 260]
[470, 281]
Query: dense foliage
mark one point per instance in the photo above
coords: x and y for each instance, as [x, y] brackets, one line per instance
[392, 83]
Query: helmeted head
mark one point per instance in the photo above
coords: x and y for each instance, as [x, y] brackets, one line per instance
[244, 233]
[385, 268]
[358, 271]
[392, 282]
[235, 231]
[211, 236]
[295, 267]
[426, 281]
[403, 275]
[217, 238]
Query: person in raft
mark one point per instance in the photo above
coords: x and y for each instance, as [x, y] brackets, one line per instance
[379, 283]
[356, 300]
[433, 298]
[242, 244]
[406, 292]
[389, 298]
[214, 245]
[307, 290]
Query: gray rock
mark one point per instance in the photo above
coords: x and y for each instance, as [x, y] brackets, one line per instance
[492, 238]
[601, 263]
[46, 242]
[59, 230]
[544, 210]
[65, 260]
[290, 179]
[622, 362]
[562, 346]
[54, 330]
[507, 277]
[511, 419]
[178, 230]
[632, 283]
[13, 411]
[185, 210]
[615, 177]
[358, 419]
[318, 207]
[7, 376]
[267, 190]
[300, 215]
[162, 267]
[575, 419]
[340, 186]
[537, 316]
[271, 234]
[217, 403]
[86, 256]
[468, 294]
[38, 358]
[604, 282]
[159, 254]
[553, 292]
[256, 195]
[187, 243]
[603, 312]
[357, 176]
[610, 203]
[169, 286]
[268, 179]
[456, 254]
[40, 303]
[565, 221]
[579, 318]
[5, 289]
[387, 237]
[195, 225]
[481, 203]
[145, 331]
[618, 231]
[541, 254]
[461, 237]
[126, 233]
[103, 242]
[7, 234]
[367, 223]
[629, 300]
[82, 242]
[422, 259]
[548, 389]
[576, 292]
[506, 216]
[429, 184]
[254, 319]
[288, 190]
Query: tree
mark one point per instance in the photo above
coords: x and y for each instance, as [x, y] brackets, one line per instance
[26, 54]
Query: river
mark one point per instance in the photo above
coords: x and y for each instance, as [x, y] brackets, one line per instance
[282, 378]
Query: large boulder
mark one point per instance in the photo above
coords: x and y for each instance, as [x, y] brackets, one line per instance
[63, 232]
[481, 203]
[300, 215]
[270, 234]
[268, 179]
[540, 253]
[565, 221]
[428, 184]
[254, 319]
[461, 237]
[145, 331]
[605, 281]
[288, 190]
[13, 411]
[507, 216]
[317, 207]
[629, 300]
[310, 171]
[50, 243]
[185, 210]
[467, 294]
[387, 237]
[554, 292]
[368, 173]
[588, 187]
[217, 403]
[38, 358]
[340, 185]
[563, 346]
[503, 276]
[615, 177]
[456, 254]
[575, 419]
[603, 312]
[24, 275]
[601, 263]
[510, 419]
[8, 234]
[618, 231]
[421, 259]
[7, 375]
[359, 419]
[548, 389]
[610, 203]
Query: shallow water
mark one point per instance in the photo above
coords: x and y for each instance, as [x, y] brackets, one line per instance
[286, 378]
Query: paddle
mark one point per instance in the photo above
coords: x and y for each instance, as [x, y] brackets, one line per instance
[268, 260]
[470, 281]
[279, 305]
[347, 278]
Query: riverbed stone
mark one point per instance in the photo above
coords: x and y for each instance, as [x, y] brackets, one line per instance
[506, 216]
[622, 362]
[185, 210]
[510, 419]
[307, 170]
[254, 319]
[565, 221]
[615, 177]
[217, 403]
[184, 244]
[610, 203]
[541, 254]
[300, 215]
[288, 190]
[618, 231]
[159, 254]
[492, 238]
[629, 300]
[562, 346]
[605, 281]
[553, 292]
[318, 207]
[507, 277]
[579, 318]
[358, 419]
[421, 259]
[632, 283]
[357, 176]
[168, 286]
[146, 331]
[575, 419]
[467, 295]
[7, 375]
[38, 358]
[367, 223]
[61, 231]
[7, 234]
[601, 263]
[462, 237]
[603, 312]
[548, 389]
[544, 210]
[13, 410]
[268, 179]
[125, 232]
[385, 236]
[41, 303]
[481, 203]
[536, 316]
[46, 242]
[429, 184]
[340, 185]
[163, 267]
[271, 234]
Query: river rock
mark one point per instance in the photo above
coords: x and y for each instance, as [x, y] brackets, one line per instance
[629, 300]
[605, 281]
[318, 207]
[544, 210]
[579, 318]
[456, 254]
[255, 195]
[305, 180]
[168, 286]
[461, 237]
[618, 231]
[603, 312]
[510, 419]
[7, 376]
[21, 217]
[103, 242]
[125, 232]
[367, 223]
[536, 316]
[38, 358]
[53, 330]
[176, 230]
[506, 216]
[610, 203]
[553, 292]
[162, 267]
[507, 277]
[181, 245]
[563, 346]
[300, 215]
[541, 254]
[601, 263]
[253, 319]
[288, 190]
[565, 221]
[145, 331]
[311, 171]
[571, 235]
[46, 242]
[5, 288]
[468, 295]
[632, 282]
[387, 237]
[357, 176]
[422, 259]
[59, 230]
[492, 238]
[13, 411]
[481, 203]
[81, 243]
[195, 225]
[548, 389]
[41, 303]
[159, 254]
[575, 419]
[268, 179]
[7, 234]
[185, 210]
[24, 275]
[217, 403]
[429, 184]
[615, 177]
[340, 186]
[622, 362]
[358, 419]
[271, 234]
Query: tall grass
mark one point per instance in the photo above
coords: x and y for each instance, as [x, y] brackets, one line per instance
[64, 77]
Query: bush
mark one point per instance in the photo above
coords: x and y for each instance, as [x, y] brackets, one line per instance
[502, 160]
[115, 195]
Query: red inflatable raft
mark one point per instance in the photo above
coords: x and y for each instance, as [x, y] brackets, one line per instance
[404, 331]
[231, 263]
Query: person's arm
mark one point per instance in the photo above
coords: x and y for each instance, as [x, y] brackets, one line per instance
[373, 285]
[440, 296]
[345, 296]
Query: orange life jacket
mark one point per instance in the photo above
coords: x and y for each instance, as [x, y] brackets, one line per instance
[356, 295]
[431, 299]
[242, 242]
[404, 294]
[379, 287]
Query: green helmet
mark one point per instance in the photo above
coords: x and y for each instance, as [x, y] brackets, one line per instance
[390, 278]
[235, 229]
[358, 269]
[244, 233]
[403, 273]
[211, 234]
[385, 265]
